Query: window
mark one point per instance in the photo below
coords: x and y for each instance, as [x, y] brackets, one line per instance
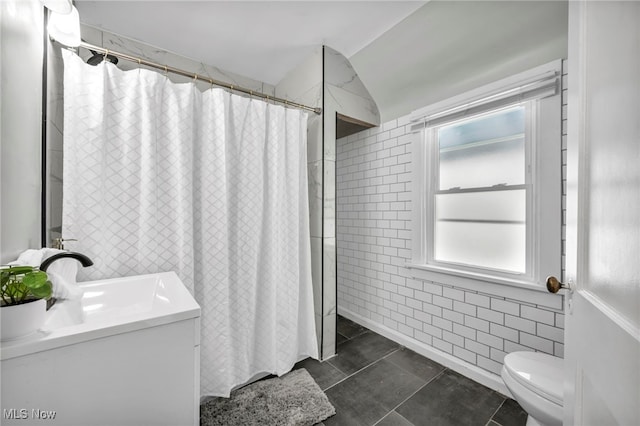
[480, 191]
[487, 181]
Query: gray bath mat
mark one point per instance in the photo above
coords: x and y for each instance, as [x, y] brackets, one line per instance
[294, 399]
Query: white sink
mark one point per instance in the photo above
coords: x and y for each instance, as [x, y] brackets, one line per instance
[127, 353]
[110, 307]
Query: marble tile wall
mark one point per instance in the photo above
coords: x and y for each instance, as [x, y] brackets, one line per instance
[123, 44]
[327, 80]
[344, 93]
[303, 84]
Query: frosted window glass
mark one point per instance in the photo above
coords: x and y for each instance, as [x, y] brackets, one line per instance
[508, 205]
[485, 229]
[483, 151]
[487, 245]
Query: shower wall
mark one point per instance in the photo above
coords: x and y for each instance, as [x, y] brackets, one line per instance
[459, 326]
[344, 93]
[326, 80]
[55, 108]
[303, 84]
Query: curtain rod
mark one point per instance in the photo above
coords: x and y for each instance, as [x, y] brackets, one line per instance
[195, 76]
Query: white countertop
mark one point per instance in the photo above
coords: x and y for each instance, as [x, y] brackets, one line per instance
[109, 307]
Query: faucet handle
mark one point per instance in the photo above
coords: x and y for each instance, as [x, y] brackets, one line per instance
[58, 243]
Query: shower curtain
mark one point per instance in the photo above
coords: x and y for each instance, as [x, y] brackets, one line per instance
[159, 177]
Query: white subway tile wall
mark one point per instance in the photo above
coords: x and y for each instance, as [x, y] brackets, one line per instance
[374, 243]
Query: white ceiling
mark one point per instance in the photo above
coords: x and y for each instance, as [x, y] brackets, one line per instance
[262, 40]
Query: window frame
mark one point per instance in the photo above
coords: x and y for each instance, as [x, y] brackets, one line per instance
[542, 182]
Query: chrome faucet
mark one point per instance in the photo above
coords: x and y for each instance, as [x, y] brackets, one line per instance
[58, 243]
[84, 260]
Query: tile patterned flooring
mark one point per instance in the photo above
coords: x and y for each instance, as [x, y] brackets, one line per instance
[375, 381]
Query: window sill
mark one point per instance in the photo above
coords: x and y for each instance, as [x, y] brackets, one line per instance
[498, 286]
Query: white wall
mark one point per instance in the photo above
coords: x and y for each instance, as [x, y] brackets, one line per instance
[473, 330]
[21, 50]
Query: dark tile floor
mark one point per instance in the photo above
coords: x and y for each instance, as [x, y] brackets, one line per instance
[375, 381]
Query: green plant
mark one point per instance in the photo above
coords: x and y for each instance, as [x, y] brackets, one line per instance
[21, 284]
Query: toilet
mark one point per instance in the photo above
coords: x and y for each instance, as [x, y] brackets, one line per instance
[536, 381]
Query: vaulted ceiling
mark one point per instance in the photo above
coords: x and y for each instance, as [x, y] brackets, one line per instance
[407, 53]
[262, 40]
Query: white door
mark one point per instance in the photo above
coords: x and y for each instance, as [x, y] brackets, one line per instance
[602, 337]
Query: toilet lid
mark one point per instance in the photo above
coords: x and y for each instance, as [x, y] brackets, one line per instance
[538, 372]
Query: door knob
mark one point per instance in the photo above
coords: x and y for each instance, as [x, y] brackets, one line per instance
[553, 285]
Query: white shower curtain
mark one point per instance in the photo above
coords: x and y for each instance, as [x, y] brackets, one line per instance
[159, 176]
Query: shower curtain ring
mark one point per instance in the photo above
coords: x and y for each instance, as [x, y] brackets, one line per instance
[106, 53]
[195, 77]
[166, 71]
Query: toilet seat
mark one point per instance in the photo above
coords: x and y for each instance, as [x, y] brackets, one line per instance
[540, 373]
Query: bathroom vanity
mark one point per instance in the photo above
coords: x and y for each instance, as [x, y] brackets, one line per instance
[128, 353]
